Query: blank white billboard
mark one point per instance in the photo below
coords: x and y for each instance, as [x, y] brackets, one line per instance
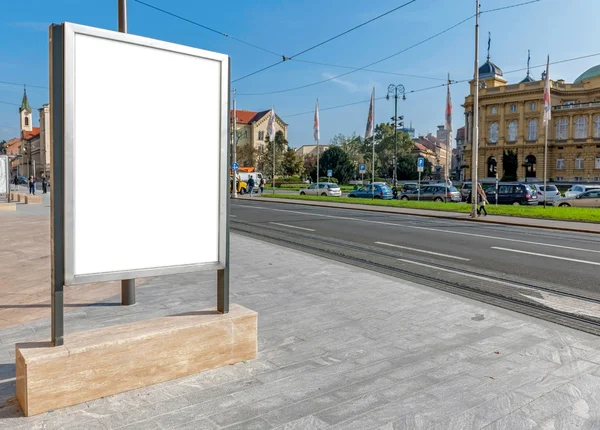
[146, 177]
[4, 175]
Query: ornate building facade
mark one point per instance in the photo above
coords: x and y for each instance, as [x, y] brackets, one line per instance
[511, 131]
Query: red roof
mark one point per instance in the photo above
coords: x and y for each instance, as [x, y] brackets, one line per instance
[248, 116]
[420, 147]
[30, 134]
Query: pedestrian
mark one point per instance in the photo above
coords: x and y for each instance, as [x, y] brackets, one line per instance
[250, 185]
[261, 185]
[44, 184]
[31, 185]
[16, 183]
[482, 200]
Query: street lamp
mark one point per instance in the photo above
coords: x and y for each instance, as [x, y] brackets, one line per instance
[394, 91]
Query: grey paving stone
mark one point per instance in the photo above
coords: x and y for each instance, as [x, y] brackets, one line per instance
[202, 424]
[309, 422]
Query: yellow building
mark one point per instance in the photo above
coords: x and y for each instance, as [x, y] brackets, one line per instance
[510, 119]
[252, 128]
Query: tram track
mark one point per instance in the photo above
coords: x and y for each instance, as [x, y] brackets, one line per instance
[511, 294]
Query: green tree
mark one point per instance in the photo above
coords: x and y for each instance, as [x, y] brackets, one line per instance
[407, 168]
[336, 160]
[384, 147]
[310, 166]
[510, 164]
[351, 145]
[279, 145]
[246, 155]
[293, 164]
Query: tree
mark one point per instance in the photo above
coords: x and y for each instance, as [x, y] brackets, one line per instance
[510, 164]
[280, 145]
[336, 160]
[293, 164]
[384, 147]
[407, 167]
[351, 145]
[246, 155]
[3, 147]
[310, 166]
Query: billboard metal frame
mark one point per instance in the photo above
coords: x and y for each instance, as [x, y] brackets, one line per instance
[62, 98]
[4, 160]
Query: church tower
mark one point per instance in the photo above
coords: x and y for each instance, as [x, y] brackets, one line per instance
[25, 114]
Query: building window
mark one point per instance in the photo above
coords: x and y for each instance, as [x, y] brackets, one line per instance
[560, 178]
[261, 135]
[513, 108]
[560, 164]
[533, 106]
[26, 121]
[597, 127]
[579, 164]
[597, 162]
[532, 129]
[578, 178]
[581, 124]
[512, 131]
[494, 132]
[495, 110]
[562, 126]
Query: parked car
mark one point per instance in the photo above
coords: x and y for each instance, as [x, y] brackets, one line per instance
[380, 190]
[512, 194]
[551, 193]
[436, 193]
[587, 199]
[409, 186]
[328, 189]
[578, 189]
[465, 189]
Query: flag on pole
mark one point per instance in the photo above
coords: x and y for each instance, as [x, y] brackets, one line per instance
[370, 119]
[271, 125]
[448, 123]
[547, 106]
[316, 123]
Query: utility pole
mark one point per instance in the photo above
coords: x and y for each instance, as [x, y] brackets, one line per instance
[395, 90]
[234, 147]
[127, 285]
[475, 143]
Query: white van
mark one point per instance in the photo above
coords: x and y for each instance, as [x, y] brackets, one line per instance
[257, 176]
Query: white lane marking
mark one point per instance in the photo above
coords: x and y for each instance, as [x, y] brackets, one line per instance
[233, 216]
[429, 229]
[546, 256]
[292, 226]
[423, 251]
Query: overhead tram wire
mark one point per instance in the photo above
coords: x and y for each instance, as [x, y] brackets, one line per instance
[284, 59]
[390, 56]
[21, 85]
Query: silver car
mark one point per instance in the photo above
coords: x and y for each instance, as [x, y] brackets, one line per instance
[550, 194]
[587, 199]
[328, 189]
[578, 189]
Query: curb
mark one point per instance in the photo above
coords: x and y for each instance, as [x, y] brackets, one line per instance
[366, 208]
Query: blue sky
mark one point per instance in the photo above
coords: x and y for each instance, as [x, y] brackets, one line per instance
[556, 27]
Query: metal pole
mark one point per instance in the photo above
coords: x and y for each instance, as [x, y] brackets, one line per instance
[273, 143]
[234, 146]
[317, 167]
[448, 148]
[475, 143]
[373, 161]
[395, 176]
[545, 162]
[127, 285]
[57, 208]
[419, 188]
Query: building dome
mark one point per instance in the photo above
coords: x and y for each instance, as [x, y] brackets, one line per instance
[489, 70]
[593, 72]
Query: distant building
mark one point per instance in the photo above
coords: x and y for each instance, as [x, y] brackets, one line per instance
[438, 157]
[457, 155]
[252, 128]
[408, 130]
[305, 150]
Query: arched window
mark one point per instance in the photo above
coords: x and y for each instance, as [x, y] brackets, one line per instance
[513, 128]
[530, 162]
[532, 127]
[494, 132]
[581, 124]
[492, 167]
[597, 126]
[26, 121]
[562, 126]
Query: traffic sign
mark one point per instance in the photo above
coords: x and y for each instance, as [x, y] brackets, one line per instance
[420, 164]
[329, 173]
[235, 166]
[362, 168]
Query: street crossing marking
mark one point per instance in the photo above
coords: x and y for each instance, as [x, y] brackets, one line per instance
[423, 251]
[291, 226]
[546, 255]
[484, 236]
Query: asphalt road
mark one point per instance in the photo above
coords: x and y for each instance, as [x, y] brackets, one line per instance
[491, 257]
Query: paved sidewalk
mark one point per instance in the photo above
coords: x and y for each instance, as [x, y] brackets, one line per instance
[491, 219]
[340, 348]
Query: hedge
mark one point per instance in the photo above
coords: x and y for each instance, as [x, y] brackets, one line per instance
[323, 179]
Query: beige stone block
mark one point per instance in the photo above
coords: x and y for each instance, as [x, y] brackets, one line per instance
[111, 360]
[33, 200]
[8, 207]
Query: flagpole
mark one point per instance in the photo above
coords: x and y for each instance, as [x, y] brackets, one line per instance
[475, 142]
[317, 136]
[448, 137]
[547, 105]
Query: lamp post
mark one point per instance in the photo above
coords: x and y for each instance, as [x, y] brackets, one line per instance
[394, 91]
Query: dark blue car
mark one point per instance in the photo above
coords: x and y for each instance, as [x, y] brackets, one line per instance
[380, 191]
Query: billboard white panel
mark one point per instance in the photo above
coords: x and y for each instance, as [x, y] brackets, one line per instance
[4, 175]
[145, 156]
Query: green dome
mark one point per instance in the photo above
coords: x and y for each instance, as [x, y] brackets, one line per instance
[594, 72]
